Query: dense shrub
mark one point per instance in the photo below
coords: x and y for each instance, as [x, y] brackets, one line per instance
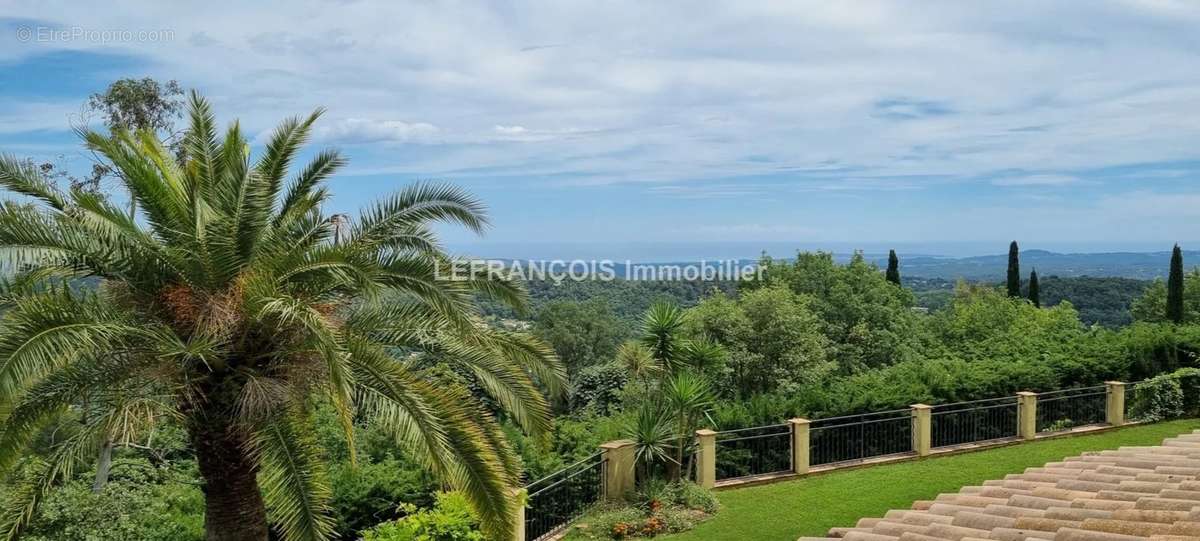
[659, 508]
[450, 519]
[1157, 399]
[1189, 383]
[598, 388]
[141, 502]
[368, 493]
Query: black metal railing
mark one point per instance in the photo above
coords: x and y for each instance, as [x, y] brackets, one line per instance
[563, 496]
[974, 421]
[754, 451]
[856, 437]
[1069, 408]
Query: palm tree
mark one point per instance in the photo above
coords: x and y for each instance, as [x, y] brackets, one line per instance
[225, 304]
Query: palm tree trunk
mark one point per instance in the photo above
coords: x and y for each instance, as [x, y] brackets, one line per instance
[234, 506]
[103, 466]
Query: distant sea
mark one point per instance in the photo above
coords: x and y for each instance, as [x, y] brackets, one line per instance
[653, 252]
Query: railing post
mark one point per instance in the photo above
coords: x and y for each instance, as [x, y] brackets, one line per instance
[619, 461]
[800, 447]
[519, 496]
[922, 429]
[1115, 403]
[706, 458]
[1026, 415]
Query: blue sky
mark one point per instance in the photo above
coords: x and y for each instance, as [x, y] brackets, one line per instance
[1067, 125]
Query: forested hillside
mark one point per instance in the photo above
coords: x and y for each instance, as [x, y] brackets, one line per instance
[1103, 301]
[819, 338]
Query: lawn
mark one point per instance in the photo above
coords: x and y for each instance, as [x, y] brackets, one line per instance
[810, 506]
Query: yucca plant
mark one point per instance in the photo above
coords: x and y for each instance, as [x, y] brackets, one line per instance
[638, 361]
[224, 303]
[653, 438]
[661, 328]
[688, 397]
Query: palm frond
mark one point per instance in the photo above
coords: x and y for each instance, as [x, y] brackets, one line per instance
[149, 174]
[290, 312]
[417, 204]
[293, 479]
[504, 381]
[24, 177]
[302, 190]
[49, 330]
[445, 426]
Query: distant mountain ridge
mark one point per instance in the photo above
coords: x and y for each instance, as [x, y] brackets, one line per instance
[1137, 265]
[1140, 265]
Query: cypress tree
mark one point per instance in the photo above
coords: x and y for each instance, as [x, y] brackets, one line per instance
[893, 268]
[1175, 287]
[1014, 271]
[1035, 293]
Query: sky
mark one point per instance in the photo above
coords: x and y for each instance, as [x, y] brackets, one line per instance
[1067, 125]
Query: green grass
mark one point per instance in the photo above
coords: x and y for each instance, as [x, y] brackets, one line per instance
[810, 506]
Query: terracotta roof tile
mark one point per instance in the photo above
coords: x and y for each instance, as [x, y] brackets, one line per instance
[1130, 494]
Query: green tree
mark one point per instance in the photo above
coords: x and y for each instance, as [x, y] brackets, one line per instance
[772, 337]
[984, 324]
[224, 304]
[1150, 307]
[1175, 287]
[893, 268]
[139, 104]
[582, 333]
[1014, 270]
[1035, 293]
[867, 320]
[127, 104]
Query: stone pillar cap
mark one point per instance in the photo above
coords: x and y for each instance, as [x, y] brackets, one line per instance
[617, 444]
[921, 407]
[1026, 393]
[799, 421]
[705, 432]
[1115, 383]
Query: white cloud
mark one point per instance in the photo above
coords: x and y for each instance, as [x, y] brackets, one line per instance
[607, 93]
[1036, 180]
[361, 130]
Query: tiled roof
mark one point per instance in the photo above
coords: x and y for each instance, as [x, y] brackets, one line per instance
[1131, 494]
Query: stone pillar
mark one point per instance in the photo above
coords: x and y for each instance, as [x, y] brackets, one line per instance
[519, 496]
[1026, 415]
[618, 468]
[800, 447]
[1115, 403]
[922, 429]
[706, 458]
